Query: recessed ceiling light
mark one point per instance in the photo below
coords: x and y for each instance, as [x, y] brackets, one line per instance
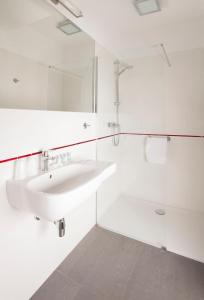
[68, 27]
[145, 7]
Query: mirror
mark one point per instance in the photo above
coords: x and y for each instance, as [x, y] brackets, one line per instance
[46, 60]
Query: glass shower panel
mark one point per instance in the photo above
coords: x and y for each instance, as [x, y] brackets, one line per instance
[133, 201]
[185, 118]
[185, 208]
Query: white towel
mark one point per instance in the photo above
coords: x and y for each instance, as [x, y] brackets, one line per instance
[156, 150]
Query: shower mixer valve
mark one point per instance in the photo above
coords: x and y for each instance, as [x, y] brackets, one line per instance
[113, 125]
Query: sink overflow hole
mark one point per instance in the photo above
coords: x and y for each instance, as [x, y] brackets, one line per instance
[50, 176]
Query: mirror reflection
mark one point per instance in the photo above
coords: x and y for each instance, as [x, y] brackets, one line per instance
[46, 60]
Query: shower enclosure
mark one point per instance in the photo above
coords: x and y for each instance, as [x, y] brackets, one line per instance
[157, 203]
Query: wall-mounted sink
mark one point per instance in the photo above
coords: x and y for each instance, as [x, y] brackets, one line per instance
[52, 195]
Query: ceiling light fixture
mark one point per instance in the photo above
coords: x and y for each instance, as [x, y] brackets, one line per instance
[68, 27]
[75, 11]
[145, 7]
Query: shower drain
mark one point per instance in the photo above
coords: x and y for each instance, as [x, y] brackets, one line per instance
[160, 212]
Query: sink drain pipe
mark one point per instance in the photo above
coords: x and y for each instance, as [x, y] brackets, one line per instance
[60, 224]
[61, 227]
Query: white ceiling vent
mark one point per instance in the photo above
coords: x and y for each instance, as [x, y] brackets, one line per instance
[145, 7]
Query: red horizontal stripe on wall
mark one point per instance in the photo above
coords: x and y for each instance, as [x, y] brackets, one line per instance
[19, 157]
[101, 138]
[56, 148]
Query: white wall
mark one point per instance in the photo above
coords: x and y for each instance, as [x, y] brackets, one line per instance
[161, 98]
[31, 250]
[158, 99]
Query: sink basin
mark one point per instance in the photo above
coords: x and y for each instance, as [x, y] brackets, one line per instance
[52, 195]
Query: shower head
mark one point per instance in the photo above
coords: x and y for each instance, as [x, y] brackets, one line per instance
[128, 67]
[121, 67]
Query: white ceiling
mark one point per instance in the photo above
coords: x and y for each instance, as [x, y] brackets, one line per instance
[14, 14]
[118, 27]
[39, 16]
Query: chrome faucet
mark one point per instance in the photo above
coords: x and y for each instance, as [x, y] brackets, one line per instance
[46, 157]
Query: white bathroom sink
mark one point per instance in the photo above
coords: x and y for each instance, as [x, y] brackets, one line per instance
[52, 195]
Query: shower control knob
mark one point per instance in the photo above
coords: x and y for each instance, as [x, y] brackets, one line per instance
[113, 125]
[85, 125]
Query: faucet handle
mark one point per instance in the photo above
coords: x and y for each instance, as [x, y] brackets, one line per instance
[45, 153]
[46, 158]
[49, 154]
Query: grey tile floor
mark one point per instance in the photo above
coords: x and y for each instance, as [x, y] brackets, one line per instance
[108, 266]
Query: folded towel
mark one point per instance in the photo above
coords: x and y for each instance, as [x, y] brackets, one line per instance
[156, 150]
